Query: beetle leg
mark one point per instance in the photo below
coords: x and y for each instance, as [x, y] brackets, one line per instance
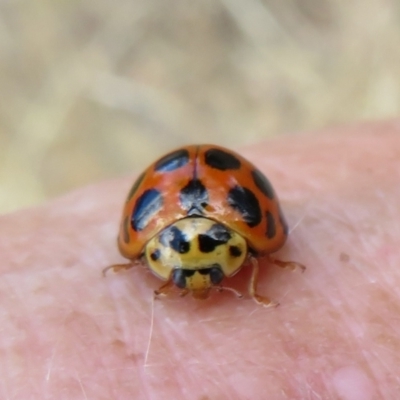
[262, 300]
[222, 288]
[120, 267]
[165, 288]
[292, 265]
[184, 292]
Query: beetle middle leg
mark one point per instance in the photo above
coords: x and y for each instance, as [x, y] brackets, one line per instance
[292, 265]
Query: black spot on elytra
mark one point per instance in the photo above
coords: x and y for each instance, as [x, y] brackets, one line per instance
[155, 255]
[263, 183]
[214, 237]
[176, 239]
[172, 161]
[271, 227]
[145, 207]
[194, 197]
[235, 251]
[283, 222]
[245, 202]
[222, 160]
[135, 186]
[125, 227]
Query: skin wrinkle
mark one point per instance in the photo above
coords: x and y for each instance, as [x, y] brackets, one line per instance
[81, 386]
[300, 377]
[298, 222]
[369, 251]
[380, 375]
[211, 341]
[103, 364]
[352, 318]
[308, 392]
[193, 354]
[212, 380]
[76, 325]
[21, 330]
[98, 353]
[4, 362]
[174, 359]
[150, 334]
[367, 367]
[122, 327]
[379, 360]
[51, 361]
[393, 353]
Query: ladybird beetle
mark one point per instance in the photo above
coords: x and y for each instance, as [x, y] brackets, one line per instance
[197, 216]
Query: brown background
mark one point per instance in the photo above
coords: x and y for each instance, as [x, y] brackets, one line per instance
[95, 89]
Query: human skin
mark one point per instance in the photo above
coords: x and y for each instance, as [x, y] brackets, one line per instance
[66, 332]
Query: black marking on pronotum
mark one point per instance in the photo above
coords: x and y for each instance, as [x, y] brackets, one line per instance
[172, 161]
[155, 255]
[178, 277]
[235, 251]
[214, 237]
[146, 206]
[125, 230]
[215, 272]
[135, 186]
[271, 227]
[263, 183]
[176, 239]
[245, 202]
[194, 197]
[219, 159]
[204, 271]
[283, 222]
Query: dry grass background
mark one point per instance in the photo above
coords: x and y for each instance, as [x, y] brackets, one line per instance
[96, 89]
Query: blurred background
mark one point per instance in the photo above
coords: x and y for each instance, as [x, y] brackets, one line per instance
[94, 90]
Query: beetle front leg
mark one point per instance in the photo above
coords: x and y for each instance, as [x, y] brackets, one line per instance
[165, 288]
[120, 267]
[262, 300]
